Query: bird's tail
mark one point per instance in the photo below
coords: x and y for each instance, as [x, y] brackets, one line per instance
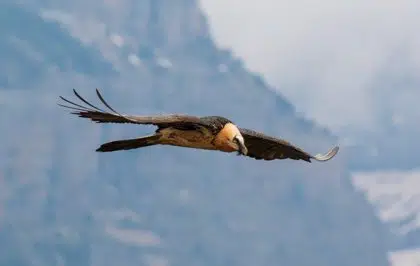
[128, 144]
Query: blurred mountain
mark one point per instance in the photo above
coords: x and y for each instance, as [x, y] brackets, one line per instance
[395, 196]
[64, 204]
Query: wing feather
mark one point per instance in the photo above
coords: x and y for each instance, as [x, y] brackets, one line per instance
[263, 147]
[98, 115]
[327, 156]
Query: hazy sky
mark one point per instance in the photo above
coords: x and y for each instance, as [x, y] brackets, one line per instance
[351, 65]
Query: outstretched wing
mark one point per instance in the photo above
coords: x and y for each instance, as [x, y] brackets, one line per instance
[100, 116]
[264, 147]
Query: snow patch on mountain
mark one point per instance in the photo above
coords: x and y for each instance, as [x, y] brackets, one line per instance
[409, 257]
[395, 195]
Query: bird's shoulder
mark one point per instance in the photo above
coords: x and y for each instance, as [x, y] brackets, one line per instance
[215, 122]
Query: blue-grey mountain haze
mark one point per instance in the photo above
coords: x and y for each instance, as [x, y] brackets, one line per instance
[64, 204]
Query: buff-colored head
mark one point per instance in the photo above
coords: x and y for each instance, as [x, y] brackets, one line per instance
[230, 139]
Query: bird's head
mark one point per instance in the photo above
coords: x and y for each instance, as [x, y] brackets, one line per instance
[232, 140]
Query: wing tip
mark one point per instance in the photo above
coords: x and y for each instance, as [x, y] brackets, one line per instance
[327, 156]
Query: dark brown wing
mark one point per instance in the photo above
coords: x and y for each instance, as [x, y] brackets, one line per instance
[100, 116]
[264, 147]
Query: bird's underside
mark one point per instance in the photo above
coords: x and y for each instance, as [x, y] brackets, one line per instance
[208, 132]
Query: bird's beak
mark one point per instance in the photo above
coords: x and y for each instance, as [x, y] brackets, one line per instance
[241, 143]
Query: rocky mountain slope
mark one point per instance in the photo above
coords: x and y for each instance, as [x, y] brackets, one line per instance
[63, 204]
[395, 196]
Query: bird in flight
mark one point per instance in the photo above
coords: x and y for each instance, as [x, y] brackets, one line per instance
[206, 132]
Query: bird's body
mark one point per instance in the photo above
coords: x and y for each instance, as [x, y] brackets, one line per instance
[209, 133]
[201, 138]
[197, 137]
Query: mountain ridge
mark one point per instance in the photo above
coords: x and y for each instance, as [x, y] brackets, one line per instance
[224, 210]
